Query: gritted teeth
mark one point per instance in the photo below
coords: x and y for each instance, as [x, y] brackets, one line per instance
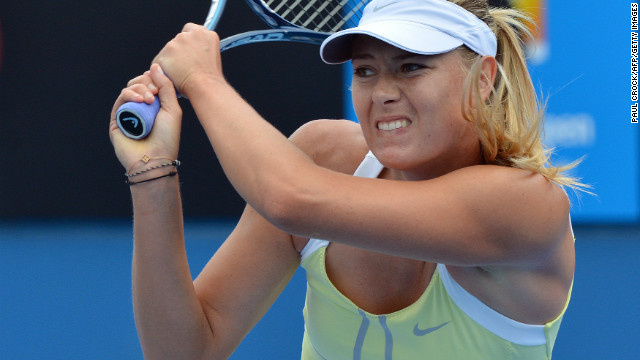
[392, 125]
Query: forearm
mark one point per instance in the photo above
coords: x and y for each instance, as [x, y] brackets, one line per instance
[261, 163]
[169, 318]
[258, 160]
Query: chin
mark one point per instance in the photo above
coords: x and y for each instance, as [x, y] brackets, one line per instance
[398, 159]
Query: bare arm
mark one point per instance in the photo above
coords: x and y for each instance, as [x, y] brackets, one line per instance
[243, 279]
[169, 318]
[175, 318]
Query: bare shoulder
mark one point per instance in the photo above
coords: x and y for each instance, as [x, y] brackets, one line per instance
[334, 144]
[516, 185]
[521, 204]
[509, 179]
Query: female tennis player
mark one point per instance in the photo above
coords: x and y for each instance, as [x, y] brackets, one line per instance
[434, 229]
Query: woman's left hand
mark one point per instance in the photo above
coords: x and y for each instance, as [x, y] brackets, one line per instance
[192, 55]
[164, 140]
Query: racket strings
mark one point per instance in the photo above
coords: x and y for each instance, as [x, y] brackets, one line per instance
[319, 15]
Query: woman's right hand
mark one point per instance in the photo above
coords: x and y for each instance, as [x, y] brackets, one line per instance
[164, 139]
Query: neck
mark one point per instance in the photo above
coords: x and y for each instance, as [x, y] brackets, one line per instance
[437, 168]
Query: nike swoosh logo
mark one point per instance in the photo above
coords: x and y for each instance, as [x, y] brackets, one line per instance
[420, 332]
[378, 8]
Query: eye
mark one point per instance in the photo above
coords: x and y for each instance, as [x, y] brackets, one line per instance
[362, 72]
[411, 67]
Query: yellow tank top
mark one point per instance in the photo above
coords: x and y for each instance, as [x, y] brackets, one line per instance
[446, 322]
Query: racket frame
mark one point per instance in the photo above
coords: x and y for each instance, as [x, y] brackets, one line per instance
[282, 30]
[215, 13]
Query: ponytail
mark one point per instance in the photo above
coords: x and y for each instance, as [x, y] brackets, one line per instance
[510, 121]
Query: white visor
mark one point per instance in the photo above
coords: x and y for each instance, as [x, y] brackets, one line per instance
[425, 27]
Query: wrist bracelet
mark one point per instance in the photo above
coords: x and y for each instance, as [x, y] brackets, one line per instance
[173, 173]
[174, 163]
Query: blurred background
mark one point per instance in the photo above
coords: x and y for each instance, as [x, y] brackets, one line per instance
[65, 228]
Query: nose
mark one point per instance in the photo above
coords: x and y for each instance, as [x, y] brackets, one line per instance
[386, 90]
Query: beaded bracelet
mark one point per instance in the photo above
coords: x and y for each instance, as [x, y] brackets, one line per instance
[174, 163]
[173, 173]
[145, 159]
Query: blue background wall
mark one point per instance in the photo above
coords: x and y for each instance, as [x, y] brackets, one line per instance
[587, 79]
[66, 294]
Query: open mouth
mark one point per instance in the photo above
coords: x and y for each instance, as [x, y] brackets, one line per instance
[393, 125]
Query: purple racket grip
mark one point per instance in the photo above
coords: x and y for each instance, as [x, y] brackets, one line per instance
[136, 119]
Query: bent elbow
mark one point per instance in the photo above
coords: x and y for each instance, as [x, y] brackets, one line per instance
[288, 207]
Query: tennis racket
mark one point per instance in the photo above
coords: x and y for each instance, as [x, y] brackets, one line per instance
[307, 21]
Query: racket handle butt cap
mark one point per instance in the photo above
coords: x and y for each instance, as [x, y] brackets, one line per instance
[136, 119]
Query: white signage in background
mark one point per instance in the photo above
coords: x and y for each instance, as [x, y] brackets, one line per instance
[569, 130]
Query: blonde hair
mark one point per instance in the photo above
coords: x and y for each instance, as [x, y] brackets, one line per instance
[510, 121]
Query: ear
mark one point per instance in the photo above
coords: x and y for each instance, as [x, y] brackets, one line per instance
[489, 68]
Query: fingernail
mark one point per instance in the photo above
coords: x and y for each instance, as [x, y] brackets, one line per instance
[148, 95]
[153, 88]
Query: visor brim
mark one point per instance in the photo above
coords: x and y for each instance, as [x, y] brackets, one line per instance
[409, 36]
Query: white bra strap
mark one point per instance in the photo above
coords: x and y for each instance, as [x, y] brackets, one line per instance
[500, 325]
